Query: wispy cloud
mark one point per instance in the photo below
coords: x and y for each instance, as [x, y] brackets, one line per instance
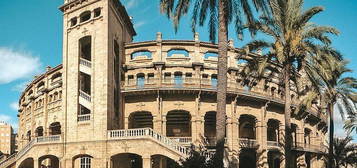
[129, 4]
[139, 24]
[20, 86]
[16, 65]
[14, 106]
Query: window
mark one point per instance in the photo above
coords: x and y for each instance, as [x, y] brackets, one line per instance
[97, 12]
[150, 78]
[130, 79]
[56, 76]
[210, 54]
[214, 80]
[73, 21]
[83, 110]
[86, 162]
[85, 83]
[140, 80]
[85, 48]
[85, 16]
[167, 77]
[146, 54]
[178, 53]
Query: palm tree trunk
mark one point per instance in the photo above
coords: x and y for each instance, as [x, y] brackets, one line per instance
[288, 136]
[222, 84]
[331, 133]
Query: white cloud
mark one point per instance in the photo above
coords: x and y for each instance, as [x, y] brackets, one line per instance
[14, 106]
[139, 24]
[129, 4]
[20, 87]
[9, 120]
[16, 65]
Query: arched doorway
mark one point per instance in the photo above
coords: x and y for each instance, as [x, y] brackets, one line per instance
[126, 160]
[142, 119]
[160, 161]
[55, 128]
[247, 158]
[247, 127]
[27, 163]
[273, 130]
[210, 128]
[178, 124]
[39, 131]
[48, 161]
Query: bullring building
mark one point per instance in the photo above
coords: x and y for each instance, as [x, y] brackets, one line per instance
[115, 103]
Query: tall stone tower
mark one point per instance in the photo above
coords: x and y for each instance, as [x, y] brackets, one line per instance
[94, 33]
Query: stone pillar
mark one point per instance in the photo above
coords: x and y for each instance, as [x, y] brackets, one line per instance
[36, 163]
[126, 122]
[229, 136]
[159, 47]
[194, 129]
[163, 122]
[146, 161]
[157, 125]
[262, 152]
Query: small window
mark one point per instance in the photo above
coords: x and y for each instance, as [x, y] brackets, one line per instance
[30, 92]
[188, 75]
[130, 79]
[178, 53]
[97, 12]
[55, 76]
[85, 16]
[83, 110]
[150, 78]
[210, 55]
[205, 76]
[74, 21]
[41, 84]
[86, 162]
[146, 54]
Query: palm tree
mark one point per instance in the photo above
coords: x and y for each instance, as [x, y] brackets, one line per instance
[336, 90]
[351, 123]
[344, 153]
[221, 14]
[296, 42]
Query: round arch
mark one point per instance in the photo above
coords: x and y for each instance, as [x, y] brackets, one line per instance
[126, 160]
[247, 126]
[159, 161]
[178, 123]
[82, 160]
[141, 119]
[48, 161]
[27, 163]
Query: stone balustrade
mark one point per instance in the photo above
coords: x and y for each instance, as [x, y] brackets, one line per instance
[148, 133]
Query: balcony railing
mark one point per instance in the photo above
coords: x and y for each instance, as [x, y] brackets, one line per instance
[148, 133]
[85, 96]
[273, 144]
[182, 140]
[85, 63]
[48, 139]
[248, 143]
[310, 147]
[83, 117]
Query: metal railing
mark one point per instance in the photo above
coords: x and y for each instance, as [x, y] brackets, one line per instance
[148, 133]
[85, 62]
[85, 96]
[83, 117]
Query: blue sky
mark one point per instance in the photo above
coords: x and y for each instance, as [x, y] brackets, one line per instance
[31, 38]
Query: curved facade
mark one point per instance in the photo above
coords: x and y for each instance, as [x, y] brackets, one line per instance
[118, 104]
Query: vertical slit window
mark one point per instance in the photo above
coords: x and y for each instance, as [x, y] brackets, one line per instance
[85, 83]
[85, 48]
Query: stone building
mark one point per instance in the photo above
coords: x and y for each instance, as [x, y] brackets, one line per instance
[7, 140]
[114, 103]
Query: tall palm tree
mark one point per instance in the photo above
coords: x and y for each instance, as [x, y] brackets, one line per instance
[336, 90]
[220, 14]
[351, 123]
[344, 153]
[296, 42]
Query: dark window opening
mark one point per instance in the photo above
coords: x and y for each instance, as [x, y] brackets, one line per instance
[83, 110]
[85, 16]
[74, 21]
[85, 48]
[85, 83]
[97, 12]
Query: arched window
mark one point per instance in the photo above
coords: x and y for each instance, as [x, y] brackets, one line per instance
[56, 76]
[143, 53]
[55, 96]
[85, 48]
[85, 16]
[30, 92]
[39, 131]
[178, 79]
[178, 124]
[247, 127]
[142, 119]
[55, 128]
[41, 84]
[50, 98]
[210, 55]
[177, 53]
[214, 80]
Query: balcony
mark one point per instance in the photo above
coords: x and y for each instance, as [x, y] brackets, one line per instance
[85, 63]
[85, 96]
[186, 141]
[248, 143]
[48, 139]
[310, 147]
[83, 117]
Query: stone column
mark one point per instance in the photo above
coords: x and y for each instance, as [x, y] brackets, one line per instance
[163, 127]
[146, 161]
[229, 135]
[36, 164]
[157, 123]
[194, 129]
[126, 122]
[262, 152]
